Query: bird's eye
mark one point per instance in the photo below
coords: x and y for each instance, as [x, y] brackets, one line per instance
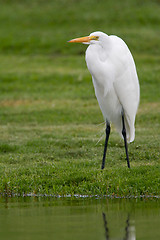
[94, 38]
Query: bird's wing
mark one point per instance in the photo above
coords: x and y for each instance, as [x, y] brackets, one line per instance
[126, 87]
[125, 81]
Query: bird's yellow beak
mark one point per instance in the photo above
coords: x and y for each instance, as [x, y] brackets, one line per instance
[83, 39]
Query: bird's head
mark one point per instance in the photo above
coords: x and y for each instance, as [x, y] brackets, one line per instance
[93, 38]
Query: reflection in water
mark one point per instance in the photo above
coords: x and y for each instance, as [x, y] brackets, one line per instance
[129, 230]
[105, 226]
[81, 219]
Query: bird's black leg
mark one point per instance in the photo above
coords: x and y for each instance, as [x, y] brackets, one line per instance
[106, 143]
[125, 139]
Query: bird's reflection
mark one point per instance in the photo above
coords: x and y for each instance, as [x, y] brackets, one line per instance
[105, 226]
[129, 230]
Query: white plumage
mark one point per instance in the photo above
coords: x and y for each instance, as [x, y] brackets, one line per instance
[116, 84]
[115, 80]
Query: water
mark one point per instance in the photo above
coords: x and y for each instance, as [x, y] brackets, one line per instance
[65, 219]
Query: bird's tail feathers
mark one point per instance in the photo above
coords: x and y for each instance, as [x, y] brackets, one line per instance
[130, 129]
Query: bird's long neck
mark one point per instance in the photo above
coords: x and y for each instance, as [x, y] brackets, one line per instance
[96, 56]
[96, 59]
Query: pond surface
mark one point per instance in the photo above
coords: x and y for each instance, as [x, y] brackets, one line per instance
[41, 218]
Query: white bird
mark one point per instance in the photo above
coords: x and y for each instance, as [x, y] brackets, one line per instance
[116, 84]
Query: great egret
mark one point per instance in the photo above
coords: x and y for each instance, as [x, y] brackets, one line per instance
[116, 84]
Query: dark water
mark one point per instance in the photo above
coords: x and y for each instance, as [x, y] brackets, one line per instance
[66, 219]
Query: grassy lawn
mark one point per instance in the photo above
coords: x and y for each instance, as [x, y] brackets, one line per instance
[51, 127]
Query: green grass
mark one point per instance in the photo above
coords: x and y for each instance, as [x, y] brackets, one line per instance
[50, 121]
